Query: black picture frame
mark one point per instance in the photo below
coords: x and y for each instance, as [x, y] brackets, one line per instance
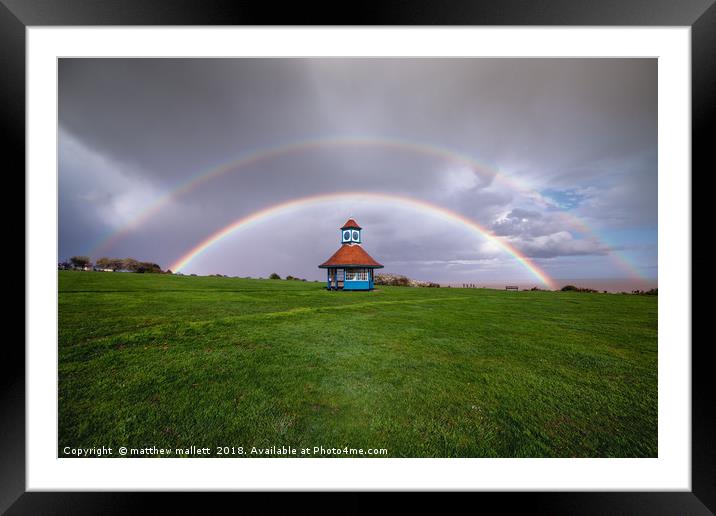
[17, 15]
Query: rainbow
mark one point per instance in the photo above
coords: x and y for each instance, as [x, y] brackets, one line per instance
[408, 202]
[485, 171]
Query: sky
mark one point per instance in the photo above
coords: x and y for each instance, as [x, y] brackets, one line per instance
[555, 159]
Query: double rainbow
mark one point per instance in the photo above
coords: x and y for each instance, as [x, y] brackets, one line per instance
[485, 171]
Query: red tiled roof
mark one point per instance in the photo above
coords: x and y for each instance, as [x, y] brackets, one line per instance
[350, 254]
[351, 223]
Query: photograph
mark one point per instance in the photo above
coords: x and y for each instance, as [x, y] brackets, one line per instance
[357, 257]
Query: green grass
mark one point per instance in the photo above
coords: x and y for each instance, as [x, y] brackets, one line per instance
[169, 361]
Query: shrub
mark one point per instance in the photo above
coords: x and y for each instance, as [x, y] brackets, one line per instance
[129, 264]
[274, 276]
[393, 280]
[572, 288]
[397, 280]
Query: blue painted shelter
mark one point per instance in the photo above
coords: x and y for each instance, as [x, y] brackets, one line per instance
[350, 268]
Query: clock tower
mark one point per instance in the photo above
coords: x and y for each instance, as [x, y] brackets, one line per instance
[350, 232]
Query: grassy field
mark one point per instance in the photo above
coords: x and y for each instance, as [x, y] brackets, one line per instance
[175, 361]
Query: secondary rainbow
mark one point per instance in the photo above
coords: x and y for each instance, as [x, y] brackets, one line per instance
[617, 257]
[408, 202]
[485, 171]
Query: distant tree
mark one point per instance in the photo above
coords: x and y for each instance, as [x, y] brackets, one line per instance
[114, 263]
[169, 271]
[109, 263]
[568, 288]
[289, 277]
[80, 262]
[129, 264]
[147, 267]
[274, 276]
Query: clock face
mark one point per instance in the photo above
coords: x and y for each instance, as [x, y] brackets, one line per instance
[356, 236]
[346, 235]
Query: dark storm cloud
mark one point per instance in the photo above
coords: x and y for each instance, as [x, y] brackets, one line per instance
[174, 116]
[582, 132]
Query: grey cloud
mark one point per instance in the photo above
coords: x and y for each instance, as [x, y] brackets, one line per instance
[559, 244]
[527, 223]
